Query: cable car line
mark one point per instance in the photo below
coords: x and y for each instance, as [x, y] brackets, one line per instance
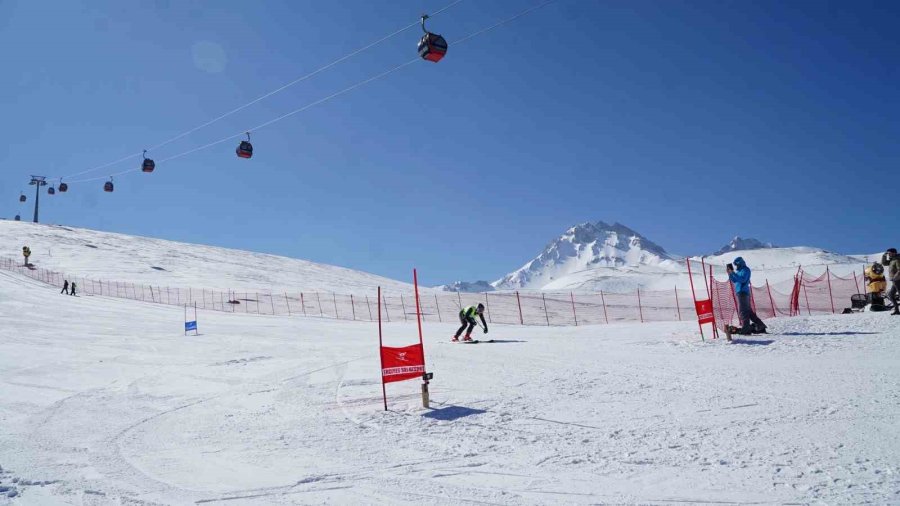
[262, 97]
[324, 99]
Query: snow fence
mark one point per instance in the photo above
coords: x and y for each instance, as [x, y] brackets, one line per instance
[806, 294]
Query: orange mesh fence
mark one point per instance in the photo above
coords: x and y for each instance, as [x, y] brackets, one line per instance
[807, 294]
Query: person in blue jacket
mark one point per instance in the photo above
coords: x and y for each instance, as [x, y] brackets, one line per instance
[740, 277]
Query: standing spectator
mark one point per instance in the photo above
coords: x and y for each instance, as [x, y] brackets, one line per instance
[73, 288]
[741, 280]
[65, 287]
[892, 261]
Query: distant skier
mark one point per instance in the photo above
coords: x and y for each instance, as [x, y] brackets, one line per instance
[65, 287]
[741, 280]
[73, 288]
[893, 264]
[467, 318]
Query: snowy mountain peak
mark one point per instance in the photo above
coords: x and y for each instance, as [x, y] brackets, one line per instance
[741, 244]
[467, 287]
[586, 246]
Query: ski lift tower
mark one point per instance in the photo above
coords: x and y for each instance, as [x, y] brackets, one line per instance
[37, 181]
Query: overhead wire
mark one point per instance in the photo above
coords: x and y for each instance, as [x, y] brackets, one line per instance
[327, 98]
[260, 98]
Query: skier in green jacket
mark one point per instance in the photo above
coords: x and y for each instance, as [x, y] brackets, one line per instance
[467, 318]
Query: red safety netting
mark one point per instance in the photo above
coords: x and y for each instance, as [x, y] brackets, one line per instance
[805, 294]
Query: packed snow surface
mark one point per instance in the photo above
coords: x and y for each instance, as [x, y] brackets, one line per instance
[106, 401]
[99, 255]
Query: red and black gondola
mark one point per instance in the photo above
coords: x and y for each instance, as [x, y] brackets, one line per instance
[148, 164]
[245, 149]
[432, 47]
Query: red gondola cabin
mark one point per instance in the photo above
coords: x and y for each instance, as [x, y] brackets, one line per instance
[148, 164]
[245, 150]
[432, 47]
[63, 187]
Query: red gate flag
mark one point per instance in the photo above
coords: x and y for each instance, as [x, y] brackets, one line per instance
[408, 362]
[704, 311]
[399, 364]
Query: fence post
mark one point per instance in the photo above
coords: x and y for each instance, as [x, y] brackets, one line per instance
[387, 314]
[353, 307]
[677, 305]
[771, 300]
[519, 301]
[319, 302]
[370, 307]
[302, 304]
[168, 296]
[271, 302]
[603, 300]
[438, 306]
[403, 305]
[487, 308]
[640, 309]
[805, 296]
[459, 299]
[257, 302]
[334, 299]
[547, 316]
[572, 296]
[856, 281]
[288, 302]
[828, 278]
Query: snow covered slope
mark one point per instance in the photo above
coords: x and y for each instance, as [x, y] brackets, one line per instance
[588, 246]
[103, 255]
[105, 401]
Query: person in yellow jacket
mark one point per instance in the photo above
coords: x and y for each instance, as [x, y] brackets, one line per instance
[875, 282]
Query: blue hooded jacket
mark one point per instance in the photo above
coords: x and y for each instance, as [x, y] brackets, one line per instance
[741, 276]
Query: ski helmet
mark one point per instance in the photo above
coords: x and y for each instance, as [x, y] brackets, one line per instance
[480, 308]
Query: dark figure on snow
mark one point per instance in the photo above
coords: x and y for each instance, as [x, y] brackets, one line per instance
[467, 318]
[892, 261]
[73, 288]
[740, 276]
[65, 287]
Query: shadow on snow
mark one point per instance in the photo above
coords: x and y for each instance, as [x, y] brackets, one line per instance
[452, 413]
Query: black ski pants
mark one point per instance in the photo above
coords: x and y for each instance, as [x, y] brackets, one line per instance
[467, 321]
[748, 316]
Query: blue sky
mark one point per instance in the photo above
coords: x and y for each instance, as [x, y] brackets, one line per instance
[690, 122]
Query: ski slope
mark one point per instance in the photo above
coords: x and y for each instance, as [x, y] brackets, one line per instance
[93, 254]
[105, 401]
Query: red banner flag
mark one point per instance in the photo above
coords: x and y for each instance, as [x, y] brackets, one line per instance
[399, 364]
[704, 311]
